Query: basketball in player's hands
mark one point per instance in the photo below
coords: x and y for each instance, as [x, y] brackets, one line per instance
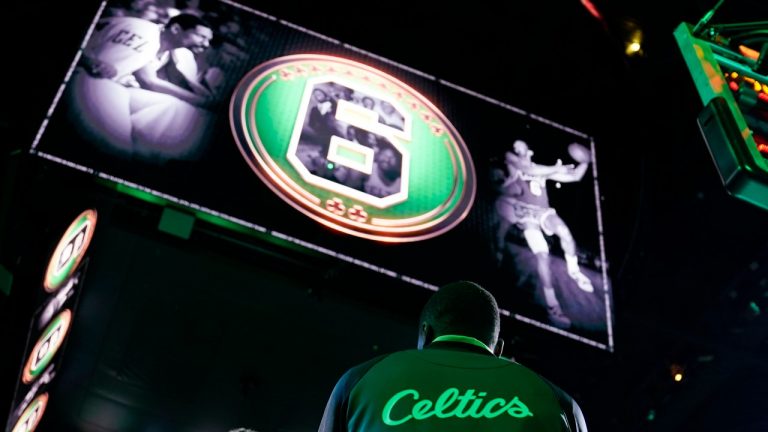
[579, 153]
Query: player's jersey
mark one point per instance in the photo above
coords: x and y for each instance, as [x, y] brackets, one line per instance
[177, 66]
[448, 387]
[127, 43]
[533, 189]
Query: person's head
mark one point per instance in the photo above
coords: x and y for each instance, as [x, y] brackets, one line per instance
[387, 161]
[229, 28]
[361, 136]
[148, 10]
[319, 95]
[341, 173]
[387, 107]
[368, 102]
[346, 93]
[461, 308]
[189, 31]
[521, 149]
[352, 133]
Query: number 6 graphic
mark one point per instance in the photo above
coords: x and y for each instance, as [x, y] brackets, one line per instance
[353, 147]
[348, 140]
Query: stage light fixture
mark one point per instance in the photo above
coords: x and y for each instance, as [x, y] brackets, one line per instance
[633, 38]
[724, 61]
[677, 372]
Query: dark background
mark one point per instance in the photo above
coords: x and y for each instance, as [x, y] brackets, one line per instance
[686, 259]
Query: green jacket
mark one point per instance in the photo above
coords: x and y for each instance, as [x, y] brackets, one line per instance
[446, 387]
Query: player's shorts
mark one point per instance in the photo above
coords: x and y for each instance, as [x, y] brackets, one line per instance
[522, 214]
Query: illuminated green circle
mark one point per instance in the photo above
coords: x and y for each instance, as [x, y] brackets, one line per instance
[412, 142]
[47, 346]
[70, 250]
[32, 415]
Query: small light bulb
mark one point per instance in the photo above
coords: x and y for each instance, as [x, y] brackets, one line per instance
[678, 377]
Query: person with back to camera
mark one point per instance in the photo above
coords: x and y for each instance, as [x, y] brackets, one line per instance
[454, 381]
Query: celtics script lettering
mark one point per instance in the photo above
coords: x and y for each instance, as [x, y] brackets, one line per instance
[451, 404]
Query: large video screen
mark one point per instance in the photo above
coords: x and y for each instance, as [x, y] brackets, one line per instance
[253, 120]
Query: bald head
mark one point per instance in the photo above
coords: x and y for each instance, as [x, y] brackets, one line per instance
[460, 308]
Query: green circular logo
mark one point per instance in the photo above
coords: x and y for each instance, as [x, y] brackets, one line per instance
[32, 415]
[353, 148]
[70, 250]
[47, 346]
